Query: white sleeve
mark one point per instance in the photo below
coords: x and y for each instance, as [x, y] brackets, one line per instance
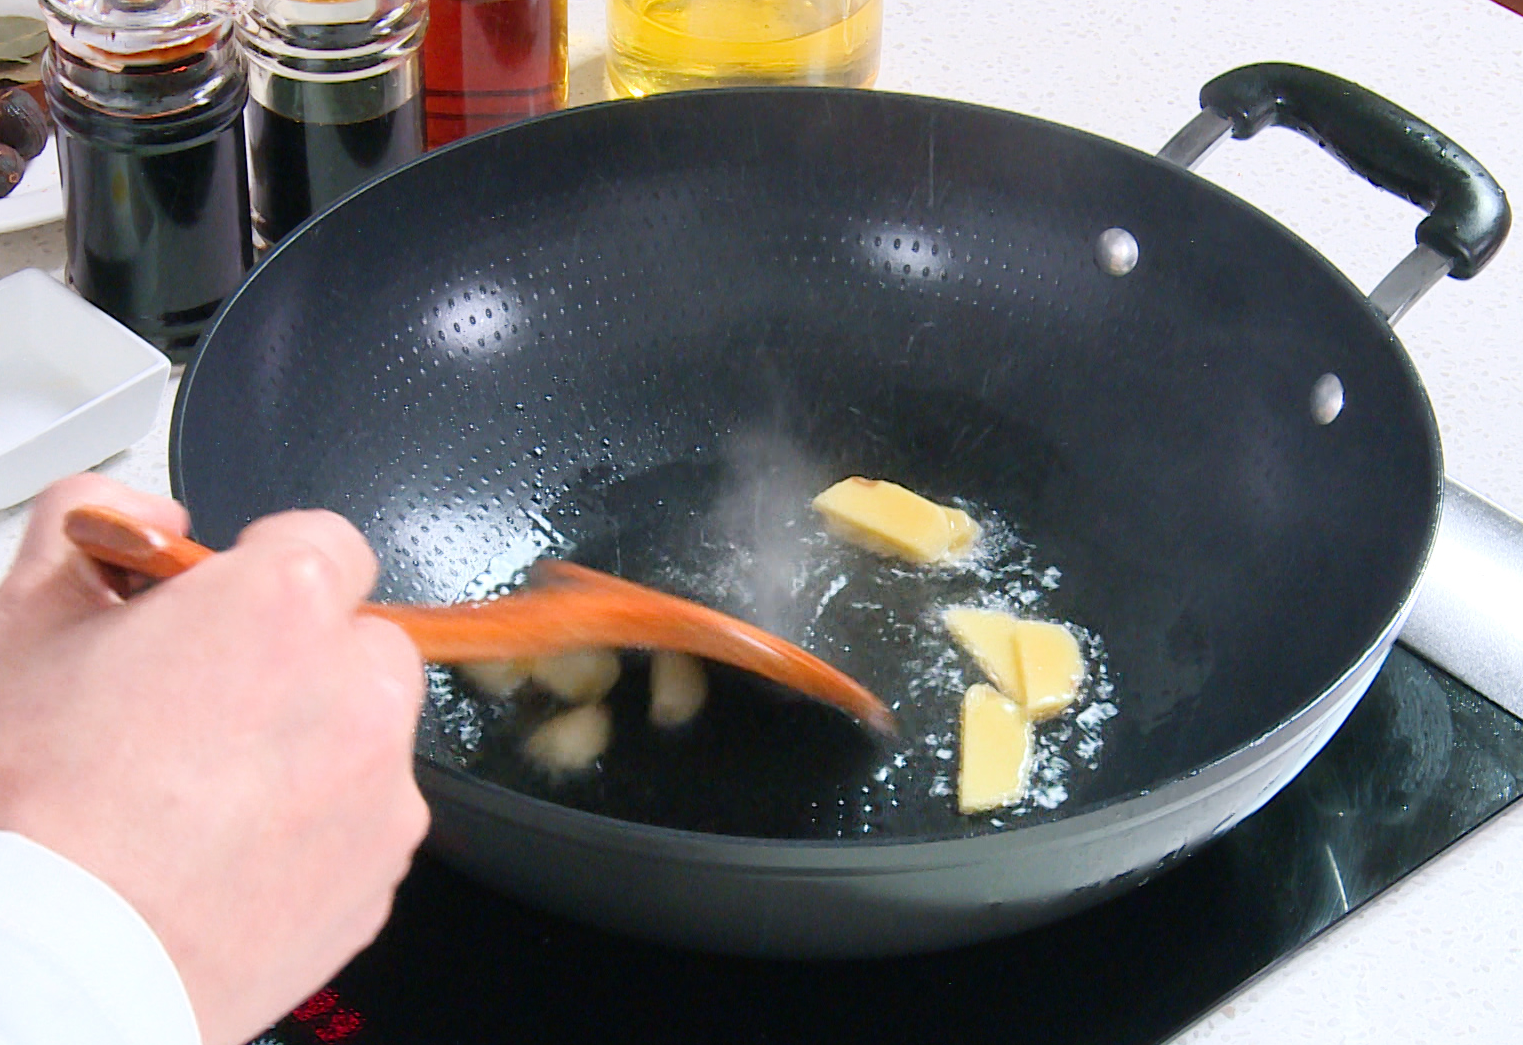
[77, 963]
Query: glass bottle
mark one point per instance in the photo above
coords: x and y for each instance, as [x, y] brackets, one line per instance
[491, 62]
[674, 45]
[334, 100]
[147, 97]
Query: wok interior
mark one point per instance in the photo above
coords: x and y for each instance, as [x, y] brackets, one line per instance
[582, 331]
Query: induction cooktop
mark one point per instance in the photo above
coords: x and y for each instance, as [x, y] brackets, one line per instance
[1422, 761]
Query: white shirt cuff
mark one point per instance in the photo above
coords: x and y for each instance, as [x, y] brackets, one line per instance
[77, 962]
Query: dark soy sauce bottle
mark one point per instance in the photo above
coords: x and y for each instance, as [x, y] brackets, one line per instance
[147, 96]
[334, 100]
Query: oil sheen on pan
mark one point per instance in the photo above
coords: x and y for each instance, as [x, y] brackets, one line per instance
[738, 534]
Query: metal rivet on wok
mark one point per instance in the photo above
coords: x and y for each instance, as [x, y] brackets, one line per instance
[1116, 252]
[1326, 399]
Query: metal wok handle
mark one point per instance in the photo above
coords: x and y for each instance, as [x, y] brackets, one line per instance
[1468, 215]
[1465, 617]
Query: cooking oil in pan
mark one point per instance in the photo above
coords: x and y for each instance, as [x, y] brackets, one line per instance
[741, 537]
[671, 45]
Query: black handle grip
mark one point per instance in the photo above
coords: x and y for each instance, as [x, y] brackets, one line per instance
[1468, 216]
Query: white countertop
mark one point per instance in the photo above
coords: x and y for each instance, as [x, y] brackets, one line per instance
[1440, 956]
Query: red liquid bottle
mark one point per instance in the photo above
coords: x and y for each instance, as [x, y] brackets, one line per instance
[491, 62]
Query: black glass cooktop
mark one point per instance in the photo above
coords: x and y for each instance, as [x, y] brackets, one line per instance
[1422, 761]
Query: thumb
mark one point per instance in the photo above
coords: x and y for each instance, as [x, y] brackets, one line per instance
[54, 579]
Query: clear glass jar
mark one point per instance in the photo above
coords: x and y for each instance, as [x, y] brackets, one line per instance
[490, 62]
[334, 100]
[673, 45]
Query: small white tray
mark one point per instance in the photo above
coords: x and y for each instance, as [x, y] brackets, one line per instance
[76, 386]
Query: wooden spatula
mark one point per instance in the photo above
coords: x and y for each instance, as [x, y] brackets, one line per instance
[564, 607]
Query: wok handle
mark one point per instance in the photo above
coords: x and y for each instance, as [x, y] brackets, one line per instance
[1468, 214]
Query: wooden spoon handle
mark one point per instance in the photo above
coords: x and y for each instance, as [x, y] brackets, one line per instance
[123, 543]
[567, 607]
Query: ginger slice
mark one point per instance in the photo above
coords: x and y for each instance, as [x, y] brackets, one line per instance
[1035, 663]
[498, 679]
[678, 688]
[1051, 668]
[989, 637]
[888, 519]
[996, 751]
[579, 677]
[573, 740]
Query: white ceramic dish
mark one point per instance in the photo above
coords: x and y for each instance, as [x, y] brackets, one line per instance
[75, 385]
[38, 199]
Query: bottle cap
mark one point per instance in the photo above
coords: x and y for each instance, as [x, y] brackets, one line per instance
[137, 32]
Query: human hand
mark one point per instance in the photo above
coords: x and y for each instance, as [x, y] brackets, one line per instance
[230, 750]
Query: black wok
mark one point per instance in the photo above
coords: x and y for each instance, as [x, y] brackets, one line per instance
[642, 334]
